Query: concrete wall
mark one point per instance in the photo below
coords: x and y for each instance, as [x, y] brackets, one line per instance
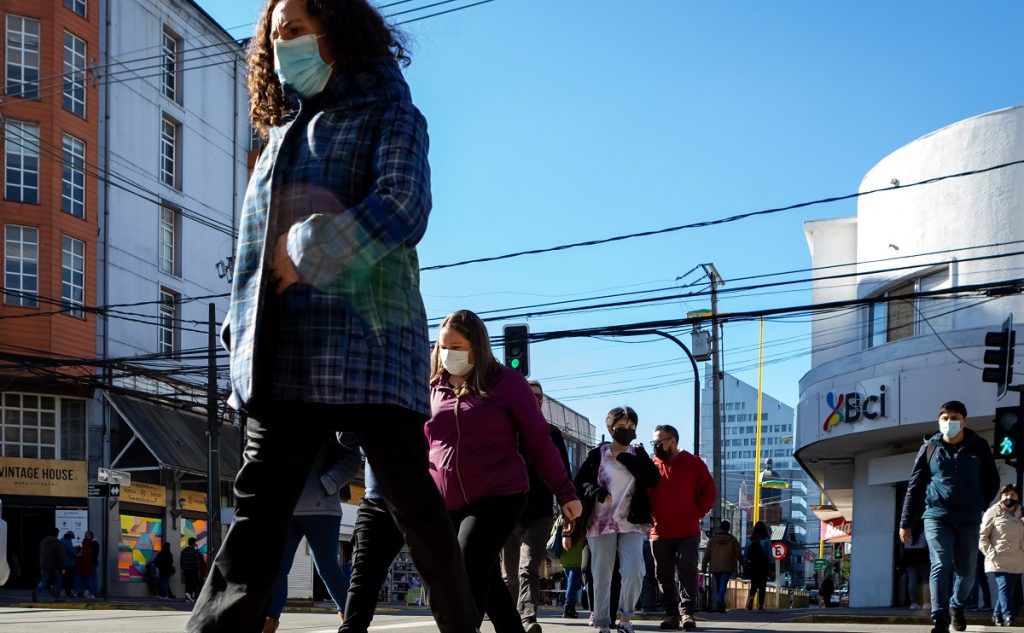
[213, 145]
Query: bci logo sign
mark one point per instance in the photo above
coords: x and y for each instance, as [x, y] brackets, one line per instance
[851, 407]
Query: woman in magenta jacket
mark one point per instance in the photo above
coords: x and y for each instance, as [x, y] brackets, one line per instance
[481, 412]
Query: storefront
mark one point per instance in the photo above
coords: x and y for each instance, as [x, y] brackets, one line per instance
[880, 371]
[164, 450]
[38, 495]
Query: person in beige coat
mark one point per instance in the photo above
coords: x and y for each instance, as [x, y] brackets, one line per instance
[722, 556]
[1002, 543]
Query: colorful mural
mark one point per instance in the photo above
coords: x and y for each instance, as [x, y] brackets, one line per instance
[141, 539]
[194, 528]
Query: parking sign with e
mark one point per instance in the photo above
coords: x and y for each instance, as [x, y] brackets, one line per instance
[779, 550]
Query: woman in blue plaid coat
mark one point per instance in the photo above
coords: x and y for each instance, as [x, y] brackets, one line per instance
[327, 329]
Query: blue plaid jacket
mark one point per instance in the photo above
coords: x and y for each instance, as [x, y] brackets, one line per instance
[347, 180]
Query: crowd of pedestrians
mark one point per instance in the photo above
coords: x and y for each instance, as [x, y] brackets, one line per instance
[329, 358]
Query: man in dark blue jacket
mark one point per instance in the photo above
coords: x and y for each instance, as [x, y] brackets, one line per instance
[953, 481]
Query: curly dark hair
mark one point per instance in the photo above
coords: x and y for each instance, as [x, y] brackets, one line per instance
[356, 35]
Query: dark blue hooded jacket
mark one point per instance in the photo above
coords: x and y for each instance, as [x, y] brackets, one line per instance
[951, 482]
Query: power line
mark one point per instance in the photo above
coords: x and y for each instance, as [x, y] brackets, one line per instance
[725, 220]
[724, 291]
[434, 15]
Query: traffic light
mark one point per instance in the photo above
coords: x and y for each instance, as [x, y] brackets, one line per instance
[999, 357]
[517, 348]
[1009, 433]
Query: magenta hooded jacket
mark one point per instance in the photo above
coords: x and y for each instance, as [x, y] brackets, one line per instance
[474, 442]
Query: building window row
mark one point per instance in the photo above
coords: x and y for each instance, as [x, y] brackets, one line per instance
[42, 427]
[23, 54]
[21, 269]
[22, 165]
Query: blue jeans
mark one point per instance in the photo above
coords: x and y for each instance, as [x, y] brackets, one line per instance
[51, 580]
[721, 586]
[86, 583]
[573, 580]
[952, 549]
[322, 534]
[1006, 583]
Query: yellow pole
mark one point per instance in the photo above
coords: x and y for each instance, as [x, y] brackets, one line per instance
[821, 533]
[757, 442]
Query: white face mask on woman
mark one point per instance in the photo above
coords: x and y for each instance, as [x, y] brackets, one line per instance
[299, 65]
[456, 362]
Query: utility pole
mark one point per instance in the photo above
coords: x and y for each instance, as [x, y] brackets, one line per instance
[213, 430]
[716, 394]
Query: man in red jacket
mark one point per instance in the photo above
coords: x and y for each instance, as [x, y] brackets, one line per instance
[685, 493]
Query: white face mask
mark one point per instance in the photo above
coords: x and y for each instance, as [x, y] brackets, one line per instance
[950, 428]
[456, 362]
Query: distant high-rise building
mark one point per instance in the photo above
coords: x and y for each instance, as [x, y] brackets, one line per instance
[785, 510]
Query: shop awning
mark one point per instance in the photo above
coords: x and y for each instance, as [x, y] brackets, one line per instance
[177, 439]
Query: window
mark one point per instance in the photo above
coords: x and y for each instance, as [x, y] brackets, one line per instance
[74, 74]
[170, 228]
[21, 162]
[22, 57]
[42, 427]
[72, 429]
[78, 6]
[169, 301]
[29, 426]
[21, 266]
[903, 318]
[73, 177]
[72, 275]
[171, 51]
[169, 152]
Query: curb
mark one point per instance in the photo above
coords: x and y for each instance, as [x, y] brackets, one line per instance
[113, 606]
[879, 619]
[91, 606]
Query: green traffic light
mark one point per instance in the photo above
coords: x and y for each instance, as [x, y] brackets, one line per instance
[1006, 447]
[515, 363]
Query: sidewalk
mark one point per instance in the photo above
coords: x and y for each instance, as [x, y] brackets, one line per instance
[22, 598]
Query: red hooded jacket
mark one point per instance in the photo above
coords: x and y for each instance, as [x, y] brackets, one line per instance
[685, 493]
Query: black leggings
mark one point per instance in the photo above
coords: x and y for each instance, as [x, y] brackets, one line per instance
[483, 527]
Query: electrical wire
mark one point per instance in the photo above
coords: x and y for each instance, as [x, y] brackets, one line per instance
[725, 220]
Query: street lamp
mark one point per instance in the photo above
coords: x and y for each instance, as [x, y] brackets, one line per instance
[176, 512]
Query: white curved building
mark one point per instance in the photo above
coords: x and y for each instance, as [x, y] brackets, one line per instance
[879, 373]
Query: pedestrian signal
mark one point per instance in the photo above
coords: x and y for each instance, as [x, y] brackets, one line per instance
[1008, 434]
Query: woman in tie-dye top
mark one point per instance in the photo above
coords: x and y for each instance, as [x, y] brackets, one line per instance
[613, 483]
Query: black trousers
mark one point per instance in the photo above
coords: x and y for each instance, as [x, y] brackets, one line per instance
[282, 441]
[377, 542]
[483, 527]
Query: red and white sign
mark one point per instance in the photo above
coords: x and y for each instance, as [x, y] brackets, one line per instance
[779, 550]
[837, 530]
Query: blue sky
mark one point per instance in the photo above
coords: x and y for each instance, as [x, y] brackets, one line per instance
[556, 121]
